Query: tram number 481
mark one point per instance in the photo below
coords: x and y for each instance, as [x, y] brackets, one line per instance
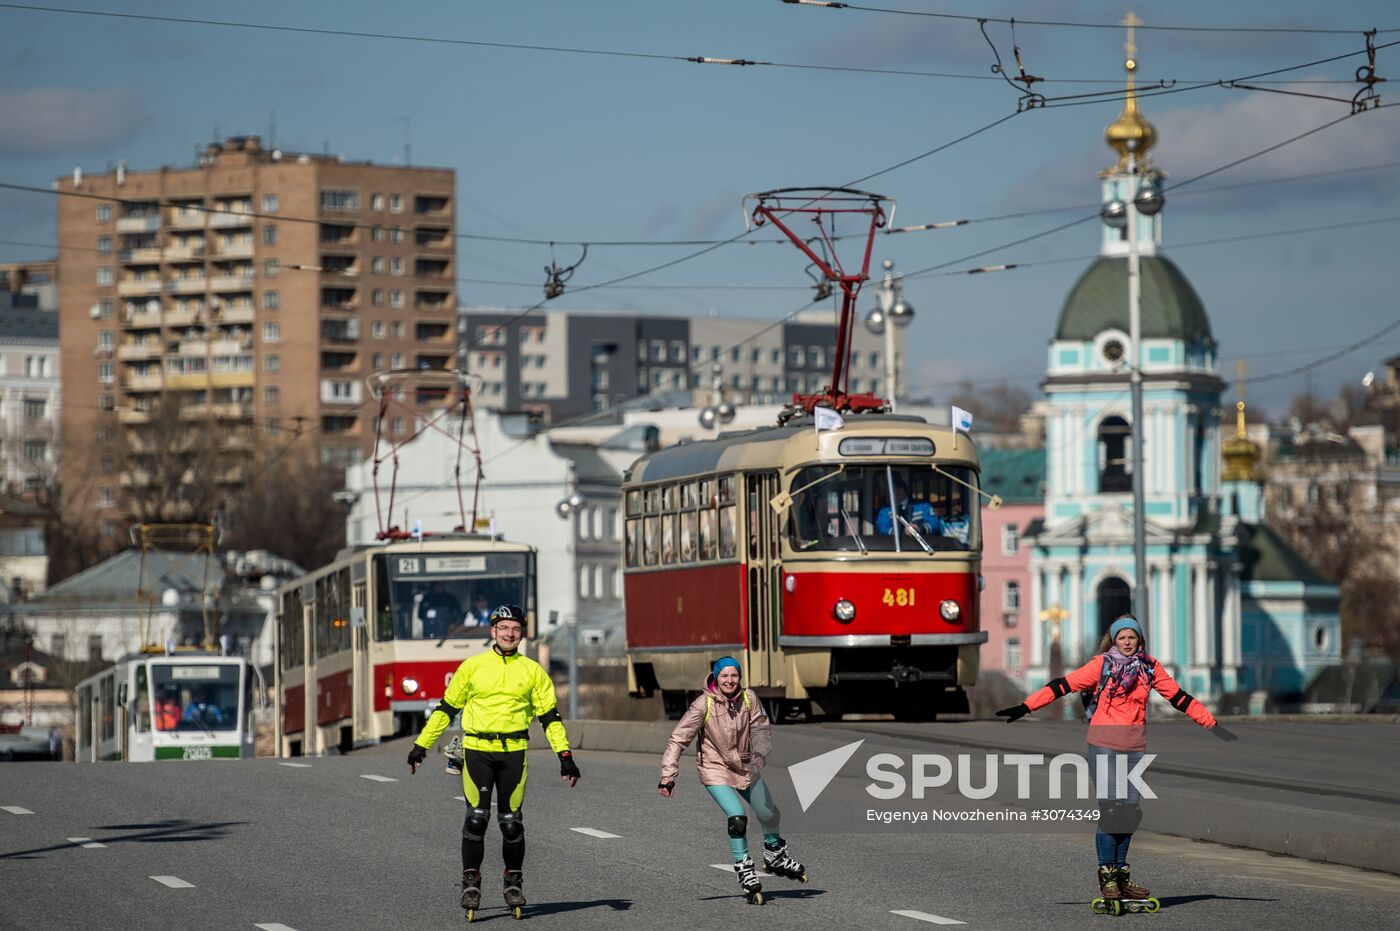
[199, 753]
[899, 597]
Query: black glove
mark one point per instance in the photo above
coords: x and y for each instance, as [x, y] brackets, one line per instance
[1011, 714]
[568, 768]
[1220, 731]
[416, 756]
[668, 786]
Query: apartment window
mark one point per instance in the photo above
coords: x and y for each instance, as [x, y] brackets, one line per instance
[677, 351]
[38, 408]
[1011, 596]
[35, 450]
[272, 363]
[377, 234]
[340, 200]
[797, 356]
[396, 234]
[776, 356]
[396, 203]
[376, 202]
[1011, 655]
[95, 649]
[272, 426]
[1010, 540]
[396, 424]
[376, 361]
[271, 301]
[875, 360]
[272, 332]
[105, 373]
[396, 300]
[105, 433]
[106, 339]
[396, 266]
[396, 361]
[376, 297]
[817, 356]
[269, 235]
[585, 579]
[376, 265]
[104, 274]
[104, 243]
[108, 465]
[376, 329]
[396, 330]
[104, 213]
[104, 310]
[342, 390]
[106, 496]
[269, 203]
[105, 403]
[269, 268]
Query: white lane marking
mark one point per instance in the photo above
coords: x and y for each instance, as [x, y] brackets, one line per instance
[174, 882]
[296, 765]
[460, 798]
[16, 810]
[594, 832]
[925, 916]
[275, 926]
[727, 867]
[373, 778]
[87, 842]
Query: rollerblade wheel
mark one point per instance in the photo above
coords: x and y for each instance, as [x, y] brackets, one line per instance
[471, 915]
[1152, 906]
[755, 898]
[515, 912]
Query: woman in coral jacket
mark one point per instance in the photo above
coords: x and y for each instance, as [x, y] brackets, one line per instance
[735, 740]
[1118, 680]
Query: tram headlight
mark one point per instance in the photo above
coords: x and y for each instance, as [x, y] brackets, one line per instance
[844, 610]
[950, 610]
[409, 686]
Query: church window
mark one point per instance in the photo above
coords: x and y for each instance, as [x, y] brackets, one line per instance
[1114, 472]
[1113, 350]
[1115, 599]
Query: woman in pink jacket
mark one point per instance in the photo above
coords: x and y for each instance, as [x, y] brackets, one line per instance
[1117, 682]
[735, 737]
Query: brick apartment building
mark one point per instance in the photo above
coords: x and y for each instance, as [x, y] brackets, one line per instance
[233, 307]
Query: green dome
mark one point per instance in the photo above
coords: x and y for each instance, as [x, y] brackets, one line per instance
[1171, 309]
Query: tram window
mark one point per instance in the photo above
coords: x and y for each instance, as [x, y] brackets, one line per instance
[653, 500]
[196, 696]
[84, 716]
[669, 497]
[383, 607]
[690, 530]
[707, 534]
[668, 538]
[332, 613]
[450, 595]
[707, 493]
[107, 700]
[634, 530]
[728, 531]
[726, 489]
[141, 707]
[292, 629]
[688, 495]
[634, 503]
[652, 541]
[933, 511]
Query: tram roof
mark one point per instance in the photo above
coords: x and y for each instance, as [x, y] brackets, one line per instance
[747, 448]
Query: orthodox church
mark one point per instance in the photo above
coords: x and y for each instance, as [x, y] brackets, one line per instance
[1236, 615]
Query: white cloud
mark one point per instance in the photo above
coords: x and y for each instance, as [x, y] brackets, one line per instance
[63, 120]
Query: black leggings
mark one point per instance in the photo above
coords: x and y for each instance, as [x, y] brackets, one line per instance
[501, 772]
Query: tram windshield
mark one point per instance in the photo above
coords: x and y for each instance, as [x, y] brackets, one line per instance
[428, 596]
[835, 509]
[195, 697]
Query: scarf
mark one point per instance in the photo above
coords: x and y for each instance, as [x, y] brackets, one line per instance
[1123, 671]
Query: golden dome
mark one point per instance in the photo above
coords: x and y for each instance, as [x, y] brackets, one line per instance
[1131, 133]
[1241, 454]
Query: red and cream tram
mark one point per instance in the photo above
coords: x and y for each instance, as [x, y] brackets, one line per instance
[367, 644]
[779, 546]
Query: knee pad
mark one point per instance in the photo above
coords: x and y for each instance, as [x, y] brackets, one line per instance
[474, 828]
[512, 827]
[738, 826]
[1119, 817]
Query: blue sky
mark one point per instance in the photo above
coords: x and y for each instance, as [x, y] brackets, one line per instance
[563, 146]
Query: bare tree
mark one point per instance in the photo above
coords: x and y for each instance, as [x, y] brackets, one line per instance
[998, 408]
[288, 509]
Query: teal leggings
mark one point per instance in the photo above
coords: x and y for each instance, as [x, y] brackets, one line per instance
[760, 799]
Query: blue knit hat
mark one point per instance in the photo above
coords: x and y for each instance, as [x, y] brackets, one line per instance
[1125, 622]
[721, 663]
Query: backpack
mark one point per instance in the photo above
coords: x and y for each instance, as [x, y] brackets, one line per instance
[710, 703]
[1090, 697]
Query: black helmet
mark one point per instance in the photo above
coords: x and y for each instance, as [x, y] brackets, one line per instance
[508, 612]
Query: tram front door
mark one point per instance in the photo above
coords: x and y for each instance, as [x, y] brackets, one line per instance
[763, 663]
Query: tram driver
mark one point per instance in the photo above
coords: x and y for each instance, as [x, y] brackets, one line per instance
[438, 610]
[913, 516]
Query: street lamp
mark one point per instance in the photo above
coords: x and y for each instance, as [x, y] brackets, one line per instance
[1146, 199]
[893, 309]
[719, 411]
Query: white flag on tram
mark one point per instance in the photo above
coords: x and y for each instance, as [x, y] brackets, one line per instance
[827, 419]
[962, 420]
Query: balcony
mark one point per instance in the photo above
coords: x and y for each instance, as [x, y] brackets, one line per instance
[233, 410]
[231, 283]
[188, 219]
[186, 285]
[153, 382]
[229, 346]
[150, 256]
[225, 220]
[232, 380]
[236, 250]
[133, 416]
[242, 314]
[149, 223]
[177, 382]
[186, 317]
[431, 205]
[340, 331]
[129, 351]
[194, 252]
[136, 478]
[143, 320]
[132, 287]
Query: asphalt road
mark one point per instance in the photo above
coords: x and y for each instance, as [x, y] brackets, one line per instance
[263, 844]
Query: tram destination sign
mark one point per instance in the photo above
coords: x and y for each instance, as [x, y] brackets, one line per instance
[885, 446]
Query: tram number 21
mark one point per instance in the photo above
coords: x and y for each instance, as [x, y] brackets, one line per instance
[899, 597]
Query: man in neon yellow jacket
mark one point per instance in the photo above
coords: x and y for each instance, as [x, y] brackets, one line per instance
[497, 692]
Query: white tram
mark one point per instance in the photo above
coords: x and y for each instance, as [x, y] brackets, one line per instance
[168, 706]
